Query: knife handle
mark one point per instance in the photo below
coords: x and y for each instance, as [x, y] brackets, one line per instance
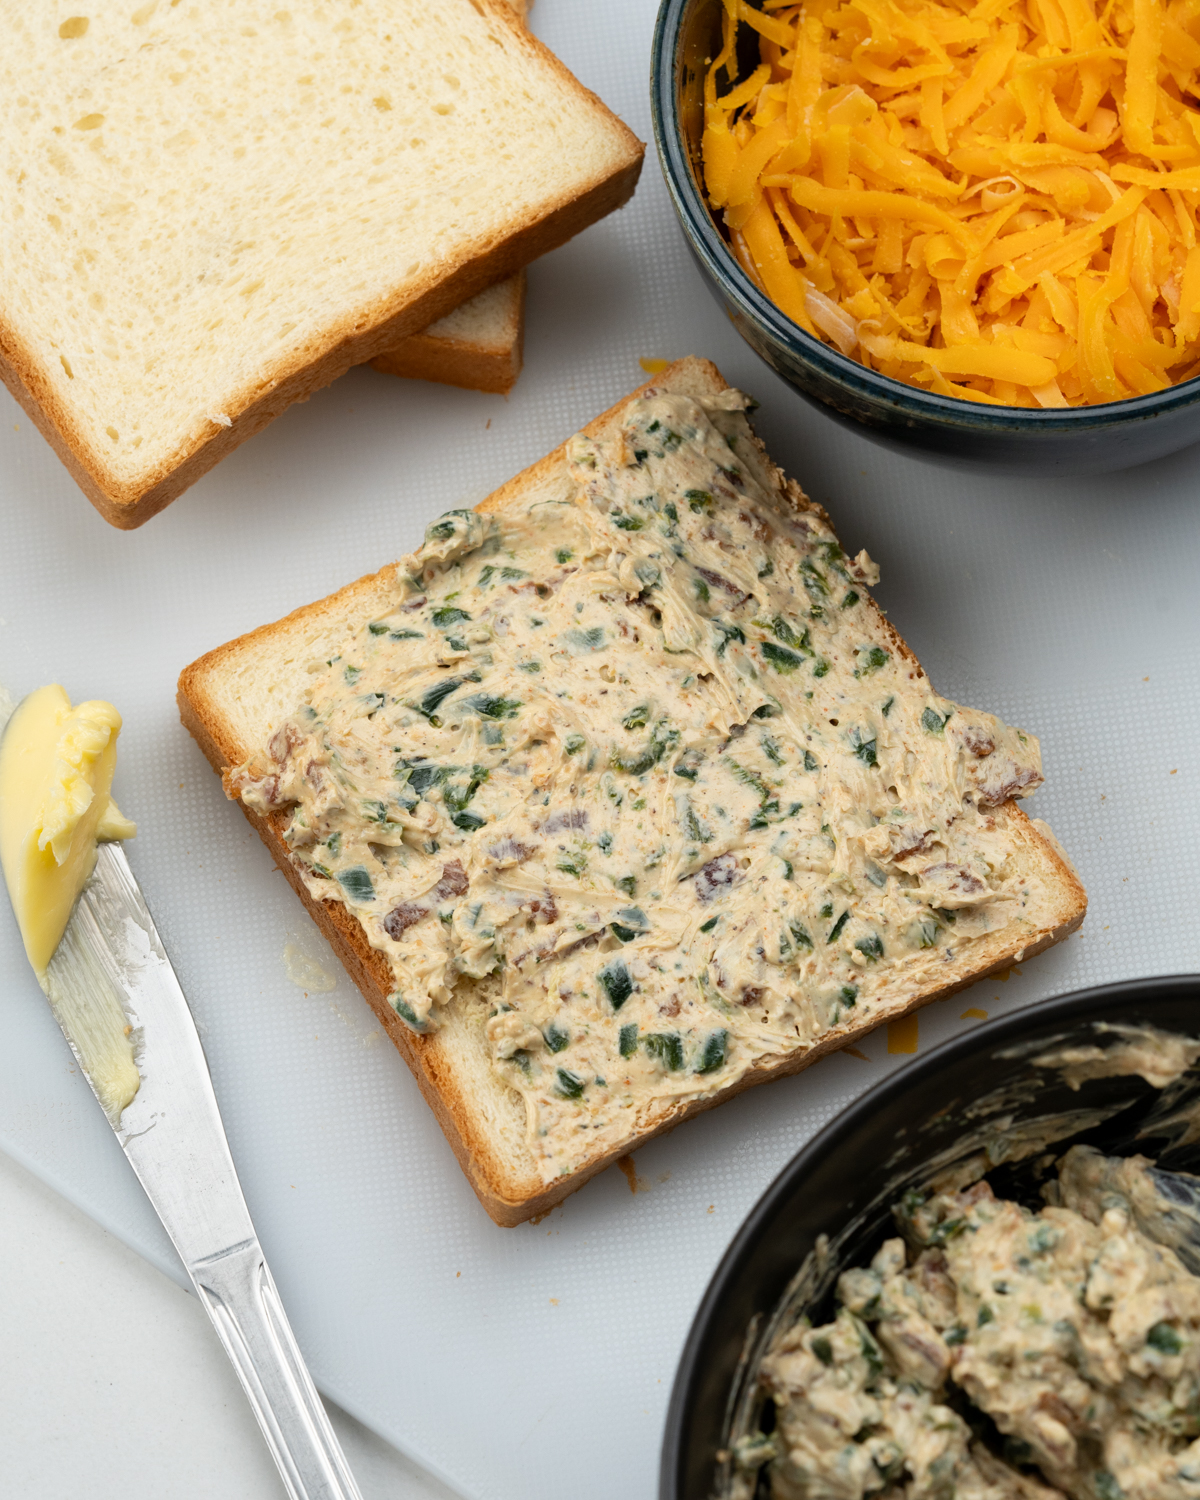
[239, 1295]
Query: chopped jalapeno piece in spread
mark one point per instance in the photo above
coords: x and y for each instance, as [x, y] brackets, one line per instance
[569, 1084]
[556, 1037]
[356, 882]
[780, 657]
[616, 983]
[713, 1052]
[667, 1047]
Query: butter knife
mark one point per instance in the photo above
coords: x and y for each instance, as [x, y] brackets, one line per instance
[111, 956]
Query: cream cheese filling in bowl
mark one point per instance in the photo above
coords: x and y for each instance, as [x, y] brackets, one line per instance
[1010, 439]
[1001, 1102]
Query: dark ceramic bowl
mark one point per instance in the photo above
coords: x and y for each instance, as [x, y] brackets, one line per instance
[1010, 439]
[843, 1183]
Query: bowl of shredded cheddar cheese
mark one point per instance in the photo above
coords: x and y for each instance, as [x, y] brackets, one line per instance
[972, 226]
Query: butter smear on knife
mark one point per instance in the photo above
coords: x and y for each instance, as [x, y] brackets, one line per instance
[56, 769]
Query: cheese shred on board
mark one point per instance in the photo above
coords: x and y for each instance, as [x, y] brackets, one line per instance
[985, 199]
[638, 765]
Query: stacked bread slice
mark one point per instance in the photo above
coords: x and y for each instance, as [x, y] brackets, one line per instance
[237, 697]
[478, 345]
[210, 211]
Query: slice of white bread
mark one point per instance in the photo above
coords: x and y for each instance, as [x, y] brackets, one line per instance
[233, 698]
[478, 345]
[214, 209]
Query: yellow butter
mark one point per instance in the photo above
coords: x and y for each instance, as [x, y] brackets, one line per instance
[56, 768]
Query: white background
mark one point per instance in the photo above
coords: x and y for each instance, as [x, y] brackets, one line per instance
[513, 1363]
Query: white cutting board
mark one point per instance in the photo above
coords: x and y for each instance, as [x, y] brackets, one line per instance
[528, 1362]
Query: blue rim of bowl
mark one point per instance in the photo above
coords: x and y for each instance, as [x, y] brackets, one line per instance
[717, 259]
[1004, 1031]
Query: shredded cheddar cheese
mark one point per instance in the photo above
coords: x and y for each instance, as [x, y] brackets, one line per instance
[993, 199]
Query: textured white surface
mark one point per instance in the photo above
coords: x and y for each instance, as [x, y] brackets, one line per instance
[113, 1384]
[519, 1363]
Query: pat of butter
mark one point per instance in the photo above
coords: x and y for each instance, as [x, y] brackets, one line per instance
[56, 768]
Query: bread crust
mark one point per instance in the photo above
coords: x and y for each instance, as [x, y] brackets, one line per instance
[356, 339]
[453, 362]
[450, 361]
[508, 1197]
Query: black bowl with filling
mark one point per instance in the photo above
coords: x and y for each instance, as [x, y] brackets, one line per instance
[962, 433]
[938, 1110]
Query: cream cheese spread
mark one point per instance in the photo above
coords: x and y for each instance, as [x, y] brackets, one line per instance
[1071, 1329]
[1160, 1057]
[638, 751]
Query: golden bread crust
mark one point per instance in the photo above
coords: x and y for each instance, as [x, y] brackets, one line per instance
[475, 366]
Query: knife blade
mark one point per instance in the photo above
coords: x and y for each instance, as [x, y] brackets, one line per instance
[112, 965]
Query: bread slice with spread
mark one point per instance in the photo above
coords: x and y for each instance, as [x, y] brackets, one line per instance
[620, 795]
[206, 222]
